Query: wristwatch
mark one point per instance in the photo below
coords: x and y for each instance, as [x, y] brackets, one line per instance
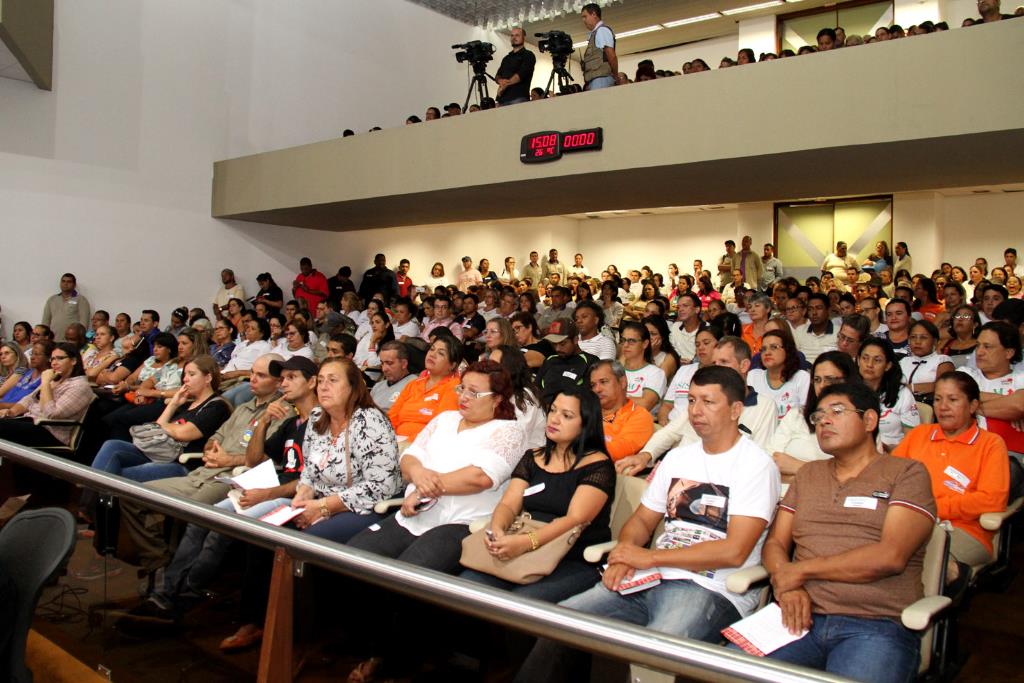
[324, 512]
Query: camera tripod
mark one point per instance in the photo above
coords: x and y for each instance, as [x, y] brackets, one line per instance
[479, 82]
[561, 73]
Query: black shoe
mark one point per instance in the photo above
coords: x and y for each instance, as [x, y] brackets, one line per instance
[963, 581]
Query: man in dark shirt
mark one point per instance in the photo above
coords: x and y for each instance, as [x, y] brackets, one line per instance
[569, 366]
[472, 323]
[381, 279]
[516, 71]
[339, 284]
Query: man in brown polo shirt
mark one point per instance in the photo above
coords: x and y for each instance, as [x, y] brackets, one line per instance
[846, 549]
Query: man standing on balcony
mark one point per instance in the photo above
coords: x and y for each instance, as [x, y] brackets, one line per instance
[600, 63]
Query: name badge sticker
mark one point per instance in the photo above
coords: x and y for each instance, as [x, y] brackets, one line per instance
[711, 501]
[570, 375]
[432, 397]
[957, 476]
[862, 502]
[536, 488]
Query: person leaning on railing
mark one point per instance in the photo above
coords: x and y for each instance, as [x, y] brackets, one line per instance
[568, 482]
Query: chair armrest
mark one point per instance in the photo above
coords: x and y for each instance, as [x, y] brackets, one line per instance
[594, 553]
[383, 506]
[55, 422]
[992, 521]
[741, 581]
[478, 524]
[187, 457]
[919, 615]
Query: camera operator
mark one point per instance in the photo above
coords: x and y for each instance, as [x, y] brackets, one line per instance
[600, 63]
[516, 71]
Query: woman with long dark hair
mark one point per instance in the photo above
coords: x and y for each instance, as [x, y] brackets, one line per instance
[781, 378]
[880, 370]
[574, 480]
[525, 395]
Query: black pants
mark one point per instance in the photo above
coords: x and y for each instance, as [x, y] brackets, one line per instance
[118, 421]
[439, 549]
[23, 431]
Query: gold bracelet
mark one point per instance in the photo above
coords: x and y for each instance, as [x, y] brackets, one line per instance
[533, 539]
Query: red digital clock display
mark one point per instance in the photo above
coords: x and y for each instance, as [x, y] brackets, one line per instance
[550, 145]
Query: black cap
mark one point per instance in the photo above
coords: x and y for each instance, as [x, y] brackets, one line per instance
[304, 365]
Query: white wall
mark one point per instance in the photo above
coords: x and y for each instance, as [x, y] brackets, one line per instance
[109, 175]
[758, 34]
[982, 225]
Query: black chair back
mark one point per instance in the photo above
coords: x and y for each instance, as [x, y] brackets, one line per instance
[33, 546]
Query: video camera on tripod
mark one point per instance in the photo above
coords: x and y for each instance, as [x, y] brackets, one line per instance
[559, 45]
[477, 53]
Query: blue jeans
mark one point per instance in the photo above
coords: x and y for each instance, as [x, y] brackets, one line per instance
[678, 607]
[342, 526]
[602, 82]
[124, 459]
[569, 578]
[876, 650]
[201, 551]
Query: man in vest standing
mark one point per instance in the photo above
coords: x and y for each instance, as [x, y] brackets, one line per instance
[600, 63]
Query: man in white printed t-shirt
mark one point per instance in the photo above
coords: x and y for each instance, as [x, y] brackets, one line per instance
[724, 490]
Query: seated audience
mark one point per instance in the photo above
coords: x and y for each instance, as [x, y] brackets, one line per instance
[535, 350]
[191, 416]
[223, 345]
[663, 354]
[645, 380]
[721, 491]
[395, 374]
[237, 370]
[145, 390]
[498, 333]
[627, 426]
[568, 366]
[923, 365]
[758, 419]
[589, 319]
[530, 413]
[880, 370]
[442, 317]
[13, 366]
[897, 321]
[794, 442]
[294, 340]
[846, 548]
[963, 335]
[458, 467]
[781, 379]
[105, 344]
[63, 394]
[29, 380]
[568, 482]
[820, 333]
[381, 332]
[759, 307]
[968, 466]
[676, 398]
[431, 394]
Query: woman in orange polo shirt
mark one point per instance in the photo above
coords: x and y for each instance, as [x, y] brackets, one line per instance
[432, 394]
[969, 467]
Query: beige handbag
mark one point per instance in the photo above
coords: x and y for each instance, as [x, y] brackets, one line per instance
[529, 567]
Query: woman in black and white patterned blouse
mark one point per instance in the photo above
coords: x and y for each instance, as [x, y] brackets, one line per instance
[351, 457]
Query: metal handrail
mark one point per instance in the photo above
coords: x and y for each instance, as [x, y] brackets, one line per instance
[608, 637]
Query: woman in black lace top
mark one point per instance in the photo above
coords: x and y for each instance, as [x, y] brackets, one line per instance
[569, 482]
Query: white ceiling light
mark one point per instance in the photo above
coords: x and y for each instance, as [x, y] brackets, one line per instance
[752, 8]
[691, 20]
[638, 31]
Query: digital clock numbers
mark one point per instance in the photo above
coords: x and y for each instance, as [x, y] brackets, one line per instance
[550, 145]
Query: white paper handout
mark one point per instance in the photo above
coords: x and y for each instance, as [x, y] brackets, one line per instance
[263, 476]
[762, 632]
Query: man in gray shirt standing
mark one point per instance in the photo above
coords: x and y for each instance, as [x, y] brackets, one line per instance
[66, 307]
[772, 268]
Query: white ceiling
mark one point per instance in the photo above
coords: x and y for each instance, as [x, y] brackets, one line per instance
[539, 16]
[10, 67]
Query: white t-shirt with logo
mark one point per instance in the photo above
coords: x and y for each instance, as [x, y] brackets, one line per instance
[678, 392]
[894, 419]
[648, 377]
[697, 493]
[923, 368]
[790, 396]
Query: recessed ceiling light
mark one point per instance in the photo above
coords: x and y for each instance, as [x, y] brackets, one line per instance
[638, 31]
[752, 8]
[691, 20]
